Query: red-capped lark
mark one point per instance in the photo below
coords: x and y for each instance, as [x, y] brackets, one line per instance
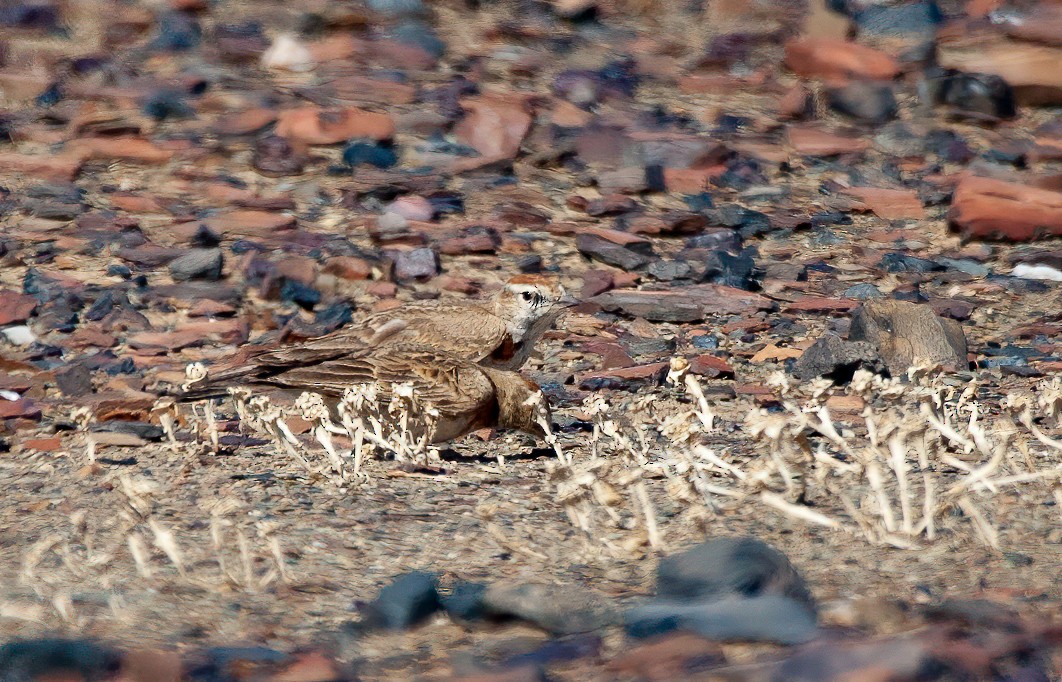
[467, 396]
[499, 332]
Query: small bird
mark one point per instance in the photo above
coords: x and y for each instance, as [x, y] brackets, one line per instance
[467, 396]
[499, 333]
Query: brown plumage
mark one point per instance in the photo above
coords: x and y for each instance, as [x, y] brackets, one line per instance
[500, 332]
[468, 396]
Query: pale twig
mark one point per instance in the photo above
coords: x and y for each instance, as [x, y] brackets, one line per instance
[798, 511]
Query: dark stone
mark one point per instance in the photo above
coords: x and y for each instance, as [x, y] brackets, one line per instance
[571, 648]
[705, 341]
[872, 103]
[749, 223]
[299, 294]
[176, 32]
[530, 264]
[360, 152]
[740, 174]
[716, 238]
[198, 264]
[1018, 285]
[978, 96]
[765, 618]
[397, 8]
[559, 609]
[919, 18]
[837, 359]
[420, 35]
[445, 202]
[41, 286]
[30, 15]
[949, 146]
[74, 380]
[626, 257]
[722, 567]
[103, 306]
[30, 660]
[901, 262]
[118, 270]
[465, 601]
[407, 601]
[699, 202]
[167, 104]
[738, 271]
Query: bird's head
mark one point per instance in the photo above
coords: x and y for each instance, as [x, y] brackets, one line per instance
[527, 302]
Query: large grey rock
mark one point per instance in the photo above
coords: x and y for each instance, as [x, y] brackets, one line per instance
[904, 333]
[560, 609]
[724, 567]
[408, 600]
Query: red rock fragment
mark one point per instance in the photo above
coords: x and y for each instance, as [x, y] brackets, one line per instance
[348, 267]
[494, 124]
[62, 167]
[43, 444]
[135, 203]
[23, 408]
[15, 307]
[612, 354]
[624, 377]
[795, 103]
[810, 141]
[890, 204]
[835, 59]
[687, 180]
[249, 222]
[994, 209]
[244, 122]
[120, 148]
[314, 125]
[711, 366]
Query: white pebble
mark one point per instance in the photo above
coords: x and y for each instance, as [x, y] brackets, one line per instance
[288, 53]
[20, 335]
[9, 395]
[1042, 272]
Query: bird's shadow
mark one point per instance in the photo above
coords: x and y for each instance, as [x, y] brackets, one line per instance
[451, 455]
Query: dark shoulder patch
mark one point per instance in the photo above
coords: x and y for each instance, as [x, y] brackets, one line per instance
[506, 350]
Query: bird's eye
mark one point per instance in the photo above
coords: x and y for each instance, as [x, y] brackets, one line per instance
[526, 295]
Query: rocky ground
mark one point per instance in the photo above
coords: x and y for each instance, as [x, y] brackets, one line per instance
[723, 181]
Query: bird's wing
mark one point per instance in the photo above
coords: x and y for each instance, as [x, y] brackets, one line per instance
[465, 331]
[452, 385]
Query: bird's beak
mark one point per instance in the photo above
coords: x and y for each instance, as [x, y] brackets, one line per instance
[567, 300]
